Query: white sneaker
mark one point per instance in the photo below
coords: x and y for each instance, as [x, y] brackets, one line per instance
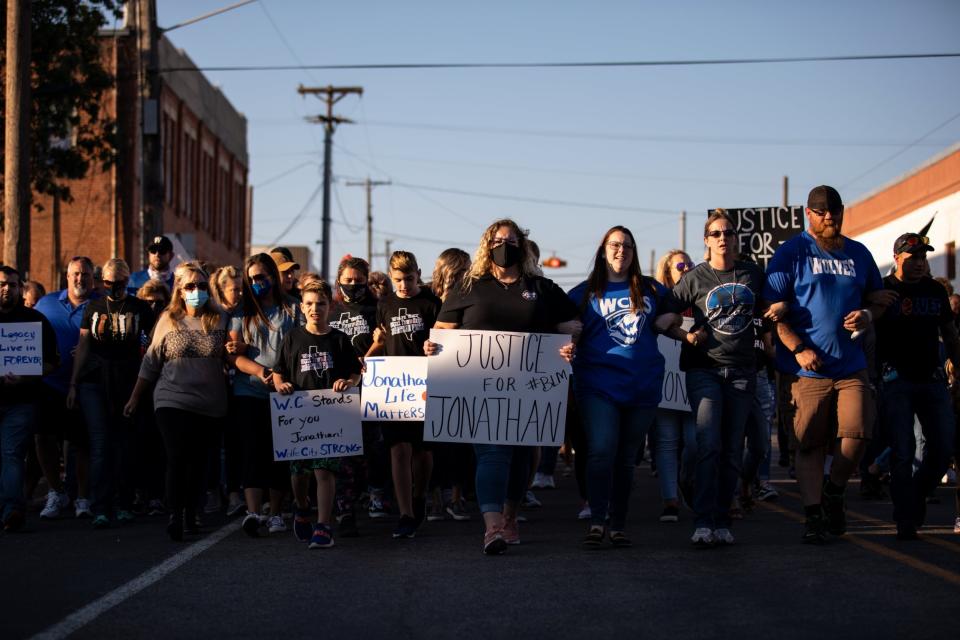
[585, 512]
[214, 503]
[723, 536]
[530, 501]
[956, 525]
[236, 506]
[702, 537]
[539, 481]
[549, 482]
[276, 525]
[83, 508]
[55, 503]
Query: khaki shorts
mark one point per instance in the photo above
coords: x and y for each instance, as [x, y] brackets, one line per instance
[830, 408]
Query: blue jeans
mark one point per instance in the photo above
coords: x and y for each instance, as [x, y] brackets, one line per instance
[675, 428]
[548, 460]
[111, 457]
[756, 459]
[721, 400]
[503, 472]
[16, 431]
[615, 434]
[930, 402]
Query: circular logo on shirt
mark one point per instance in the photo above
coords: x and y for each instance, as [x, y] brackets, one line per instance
[730, 308]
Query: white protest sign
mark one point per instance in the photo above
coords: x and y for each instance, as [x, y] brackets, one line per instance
[762, 229]
[497, 387]
[316, 424]
[21, 348]
[394, 388]
[674, 380]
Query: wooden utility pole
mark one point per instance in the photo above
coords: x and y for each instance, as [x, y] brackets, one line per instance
[151, 158]
[369, 184]
[786, 192]
[16, 164]
[683, 231]
[331, 95]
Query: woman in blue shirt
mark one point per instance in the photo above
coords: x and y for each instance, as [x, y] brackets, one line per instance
[618, 377]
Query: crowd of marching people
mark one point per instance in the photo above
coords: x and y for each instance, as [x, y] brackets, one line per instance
[156, 386]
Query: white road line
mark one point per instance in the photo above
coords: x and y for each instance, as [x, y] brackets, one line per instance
[89, 613]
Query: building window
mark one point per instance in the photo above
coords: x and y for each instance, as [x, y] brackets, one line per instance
[951, 261]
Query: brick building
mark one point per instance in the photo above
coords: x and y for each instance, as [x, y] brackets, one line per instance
[908, 203]
[206, 199]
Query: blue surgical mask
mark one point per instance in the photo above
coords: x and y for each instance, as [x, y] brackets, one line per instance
[259, 288]
[196, 298]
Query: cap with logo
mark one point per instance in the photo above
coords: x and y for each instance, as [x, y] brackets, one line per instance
[160, 244]
[911, 243]
[824, 198]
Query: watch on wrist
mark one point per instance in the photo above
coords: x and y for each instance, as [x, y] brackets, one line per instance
[799, 349]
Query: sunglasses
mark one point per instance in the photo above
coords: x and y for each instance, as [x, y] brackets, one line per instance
[913, 241]
[683, 266]
[202, 286]
[727, 233]
[110, 283]
[823, 212]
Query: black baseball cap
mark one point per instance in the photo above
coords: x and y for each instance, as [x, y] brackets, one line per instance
[160, 244]
[824, 198]
[912, 243]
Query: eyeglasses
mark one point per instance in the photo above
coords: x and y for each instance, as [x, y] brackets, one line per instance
[726, 233]
[683, 266]
[616, 246]
[822, 212]
[913, 241]
[202, 286]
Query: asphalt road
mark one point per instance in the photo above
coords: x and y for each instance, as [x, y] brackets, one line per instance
[132, 582]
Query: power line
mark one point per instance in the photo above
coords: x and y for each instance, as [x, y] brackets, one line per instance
[336, 196]
[284, 174]
[904, 150]
[303, 212]
[564, 65]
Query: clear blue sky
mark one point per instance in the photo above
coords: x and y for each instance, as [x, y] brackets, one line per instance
[660, 139]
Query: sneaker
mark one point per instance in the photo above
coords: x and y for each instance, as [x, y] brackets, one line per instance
[458, 510]
[956, 525]
[538, 481]
[585, 513]
[835, 514]
[56, 502]
[510, 531]
[764, 491]
[493, 543]
[101, 522]
[155, 508]
[549, 482]
[814, 530]
[251, 525]
[406, 528]
[235, 507]
[191, 524]
[125, 517]
[376, 509]
[302, 525]
[82, 506]
[214, 502]
[594, 538]
[437, 513]
[620, 540]
[322, 537]
[702, 538]
[723, 536]
[530, 501]
[347, 528]
[670, 514]
[276, 524]
[14, 521]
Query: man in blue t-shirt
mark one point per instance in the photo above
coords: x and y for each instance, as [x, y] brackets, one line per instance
[825, 278]
[160, 254]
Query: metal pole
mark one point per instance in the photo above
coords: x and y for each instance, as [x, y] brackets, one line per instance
[683, 231]
[327, 176]
[786, 192]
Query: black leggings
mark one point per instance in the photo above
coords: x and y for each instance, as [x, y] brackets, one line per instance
[185, 437]
[259, 469]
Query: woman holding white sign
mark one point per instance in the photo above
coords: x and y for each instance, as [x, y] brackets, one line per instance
[185, 359]
[618, 377]
[504, 291]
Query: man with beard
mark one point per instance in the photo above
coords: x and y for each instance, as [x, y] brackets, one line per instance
[908, 354]
[64, 310]
[19, 395]
[160, 253]
[826, 279]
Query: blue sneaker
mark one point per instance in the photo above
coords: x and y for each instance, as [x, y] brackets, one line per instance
[124, 516]
[302, 525]
[101, 522]
[322, 537]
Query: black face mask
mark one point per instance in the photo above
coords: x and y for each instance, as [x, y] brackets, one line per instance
[118, 290]
[506, 255]
[354, 292]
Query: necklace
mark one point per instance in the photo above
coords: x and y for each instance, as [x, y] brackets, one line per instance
[116, 332]
[724, 285]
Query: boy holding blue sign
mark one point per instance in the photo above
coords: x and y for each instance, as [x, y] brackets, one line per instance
[315, 357]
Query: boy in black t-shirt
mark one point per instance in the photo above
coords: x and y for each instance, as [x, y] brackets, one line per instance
[404, 319]
[312, 357]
